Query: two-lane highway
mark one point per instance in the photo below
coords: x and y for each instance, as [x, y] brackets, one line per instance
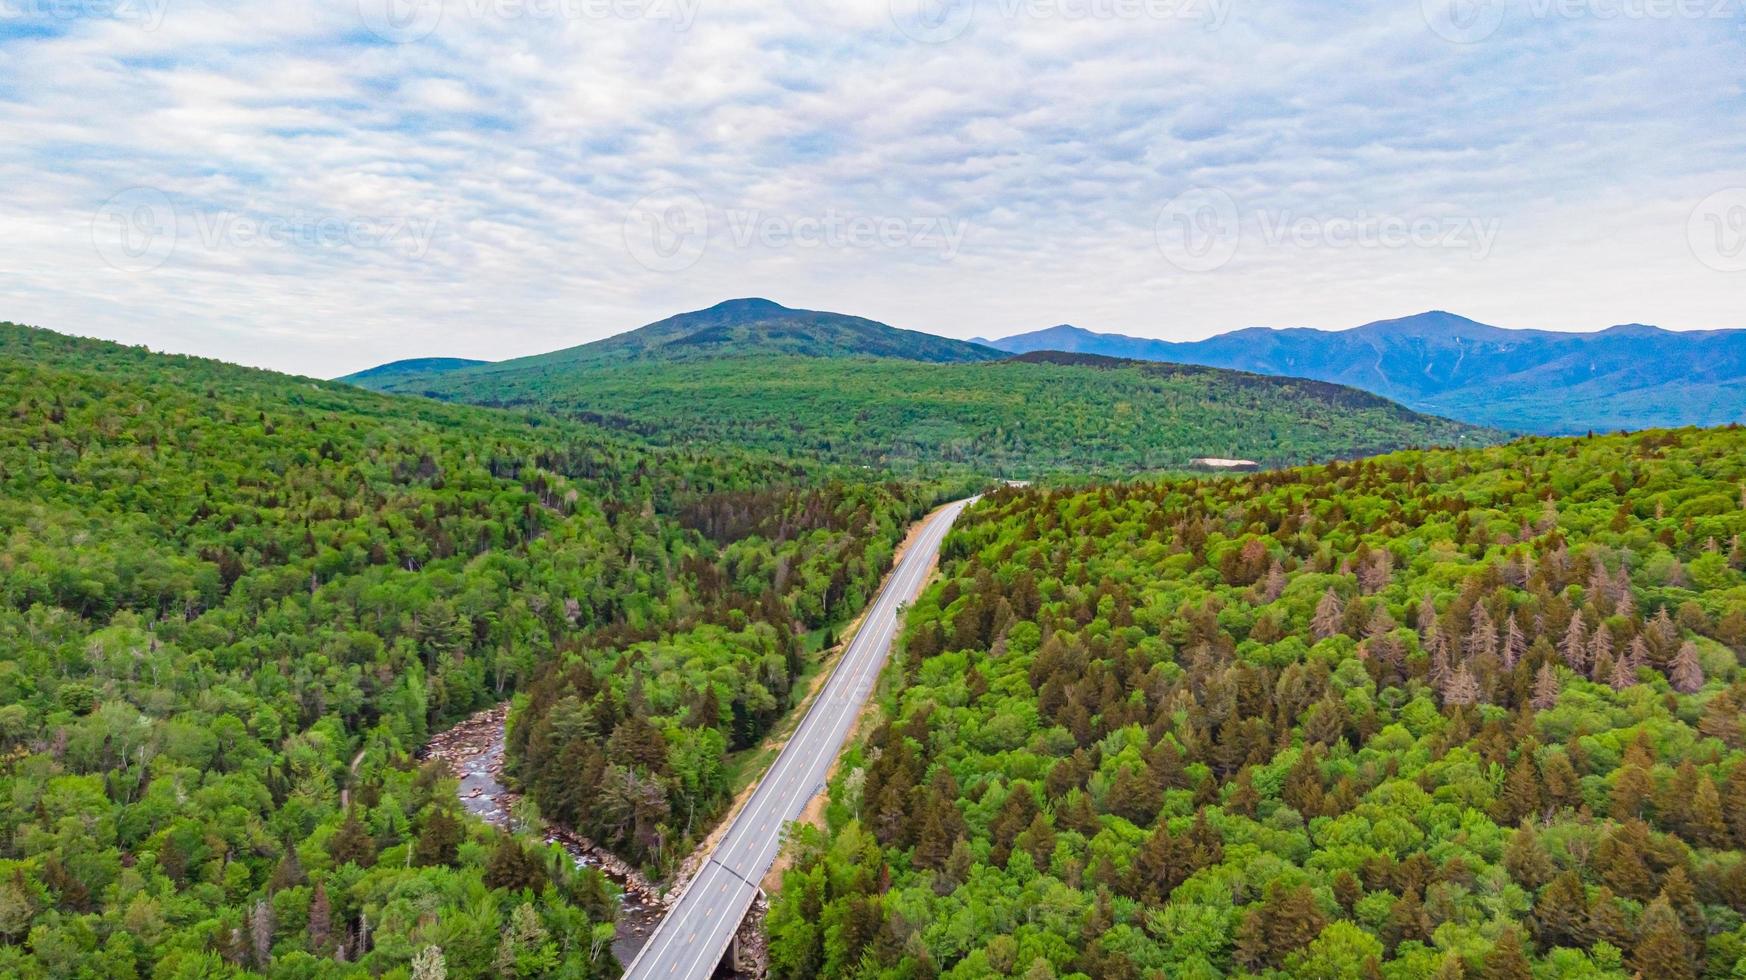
[690, 941]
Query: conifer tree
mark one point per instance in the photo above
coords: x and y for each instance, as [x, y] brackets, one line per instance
[1274, 586]
[1347, 890]
[1560, 910]
[440, 840]
[1638, 654]
[320, 920]
[1482, 637]
[1526, 860]
[351, 843]
[1291, 919]
[1562, 786]
[1252, 943]
[1407, 921]
[933, 846]
[1687, 676]
[1621, 862]
[1663, 637]
[1630, 791]
[1734, 804]
[1606, 921]
[1507, 961]
[1460, 688]
[1520, 798]
[1039, 840]
[1515, 643]
[1600, 648]
[1546, 688]
[1575, 645]
[1624, 601]
[1622, 675]
[1330, 616]
[261, 925]
[1661, 949]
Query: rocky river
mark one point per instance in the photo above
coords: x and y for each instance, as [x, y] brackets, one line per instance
[474, 750]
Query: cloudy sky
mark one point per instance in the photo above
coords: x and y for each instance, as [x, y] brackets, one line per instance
[318, 187]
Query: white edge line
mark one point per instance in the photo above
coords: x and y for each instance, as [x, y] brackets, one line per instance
[949, 518]
[937, 530]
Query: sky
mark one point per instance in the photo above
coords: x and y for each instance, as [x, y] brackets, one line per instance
[321, 187]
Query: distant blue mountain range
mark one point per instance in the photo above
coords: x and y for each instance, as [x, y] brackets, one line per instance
[1626, 377]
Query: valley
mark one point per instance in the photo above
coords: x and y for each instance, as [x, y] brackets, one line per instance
[575, 490]
[1330, 705]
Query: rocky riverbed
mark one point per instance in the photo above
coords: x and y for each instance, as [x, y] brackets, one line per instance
[473, 750]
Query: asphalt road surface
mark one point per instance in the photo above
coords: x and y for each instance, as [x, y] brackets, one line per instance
[691, 940]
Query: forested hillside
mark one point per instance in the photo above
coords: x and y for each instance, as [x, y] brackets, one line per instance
[1030, 417]
[1428, 715]
[735, 328]
[233, 603]
[1542, 381]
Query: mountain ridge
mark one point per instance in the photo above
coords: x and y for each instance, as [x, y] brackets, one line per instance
[759, 375]
[1628, 376]
[754, 326]
[410, 366]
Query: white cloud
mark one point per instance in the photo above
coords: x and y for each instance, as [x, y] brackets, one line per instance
[466, 193]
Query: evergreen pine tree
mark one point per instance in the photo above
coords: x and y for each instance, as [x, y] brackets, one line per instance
[1622, 675]
[1520, 798]
[1546, 688]
[1687, 675]
[1515, 643]
[1460, 688]
[1560, 910]
[1407, 921]
[351, 843]
[440, 840]
[1507, 961]
[1526, 860]
[1330, 616]
[1575, 646]
[1482, 636]
[1661, 951]
[320, 920]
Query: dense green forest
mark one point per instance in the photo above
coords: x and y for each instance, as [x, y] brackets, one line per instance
[1427, 715]
[1041, 414]
[1430, 714]
[233, 603]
